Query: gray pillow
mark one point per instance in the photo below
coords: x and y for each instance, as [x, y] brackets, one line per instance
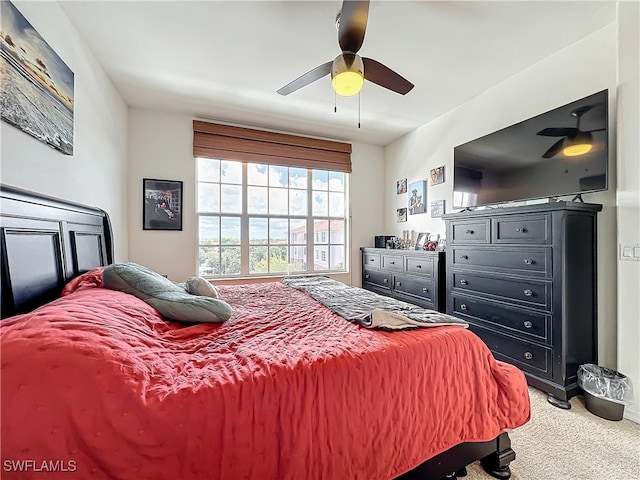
[170, 299]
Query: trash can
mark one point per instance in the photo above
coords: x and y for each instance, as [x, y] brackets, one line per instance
[606, 392]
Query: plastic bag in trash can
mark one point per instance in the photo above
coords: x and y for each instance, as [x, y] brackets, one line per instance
[603, 382]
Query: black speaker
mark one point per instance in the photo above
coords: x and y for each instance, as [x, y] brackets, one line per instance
[380, 241]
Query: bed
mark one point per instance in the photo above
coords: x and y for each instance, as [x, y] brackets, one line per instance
[95, 381]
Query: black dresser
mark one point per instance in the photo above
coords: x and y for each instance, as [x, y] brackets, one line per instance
[414, 276]
[525, 280]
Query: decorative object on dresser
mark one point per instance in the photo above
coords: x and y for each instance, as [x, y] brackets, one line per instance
[412, 276]
[525, 280]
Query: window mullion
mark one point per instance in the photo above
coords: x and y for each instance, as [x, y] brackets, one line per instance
[310, 222]
[244, 224]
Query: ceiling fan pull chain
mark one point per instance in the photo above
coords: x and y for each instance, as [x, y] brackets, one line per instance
[358, 109]
[335, 102]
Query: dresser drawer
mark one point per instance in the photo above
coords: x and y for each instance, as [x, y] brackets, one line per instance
[392, 262]
[535, 293]
[415, 286]
[377, 278]
[521, 229]
[519, 322]
[523, 354]
[530, 261]
[470, 231]
[419, 266]
[371, 260]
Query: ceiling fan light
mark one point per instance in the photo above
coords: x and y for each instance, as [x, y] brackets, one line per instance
[577, 149]
[347, 74]
[347, 84]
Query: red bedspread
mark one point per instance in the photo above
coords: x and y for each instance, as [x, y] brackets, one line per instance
[97, 383]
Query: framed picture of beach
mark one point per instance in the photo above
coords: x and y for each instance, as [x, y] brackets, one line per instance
[37, 86]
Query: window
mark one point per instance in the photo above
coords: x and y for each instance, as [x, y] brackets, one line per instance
[262, 219]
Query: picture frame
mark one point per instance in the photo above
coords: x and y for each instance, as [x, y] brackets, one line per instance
[436, 175]
[437, 208]
[39, 95]
[417, 194]
[161, 204]
[421, 240]
[401, 186]
[401, 215]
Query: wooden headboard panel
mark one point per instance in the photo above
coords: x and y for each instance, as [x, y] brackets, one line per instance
[45, 242]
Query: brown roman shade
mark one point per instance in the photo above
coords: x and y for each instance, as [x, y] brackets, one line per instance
[227, 142]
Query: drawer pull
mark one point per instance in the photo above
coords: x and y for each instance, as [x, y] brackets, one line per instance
[399, 284]
[392, 263]
[464, 257]
[528, 292]
[371, 260]
[521, 229]
[425, 289]
[528, 355]
[528, 261]
[528, 324]
[463, 307]
[469, 232]
[418, 266]
[386, 280]
[464, 282]
[367, 276]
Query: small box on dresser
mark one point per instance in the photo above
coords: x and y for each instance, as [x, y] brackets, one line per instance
[525, 280]
[413, 276]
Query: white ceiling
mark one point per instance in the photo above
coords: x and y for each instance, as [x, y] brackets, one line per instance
[224, 61]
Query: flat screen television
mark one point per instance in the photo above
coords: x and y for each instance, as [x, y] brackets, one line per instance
[533, 159]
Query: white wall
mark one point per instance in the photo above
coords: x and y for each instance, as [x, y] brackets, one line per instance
[96, 173]
[628, 195]
[161, 146]
[586, 67]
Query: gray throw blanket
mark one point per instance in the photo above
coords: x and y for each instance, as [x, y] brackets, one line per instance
[368, 308]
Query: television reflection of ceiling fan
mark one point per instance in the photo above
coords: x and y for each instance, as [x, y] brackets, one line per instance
[574, 141]
[348, 70]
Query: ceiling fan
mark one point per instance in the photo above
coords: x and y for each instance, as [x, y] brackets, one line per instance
[575, 141]
[348, 70]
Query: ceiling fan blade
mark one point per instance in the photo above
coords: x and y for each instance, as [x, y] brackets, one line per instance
[353, 24]
[385, 77]
[558, 132]
[596, 130]
[555, 148]
[304, 80]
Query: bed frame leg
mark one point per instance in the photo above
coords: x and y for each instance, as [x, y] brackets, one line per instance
[497, 463]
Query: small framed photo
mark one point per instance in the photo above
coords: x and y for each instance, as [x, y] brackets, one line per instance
[161, 204]
[436, 176]
[437, 208]
[421, 240]
[401, 186]
[401, 215]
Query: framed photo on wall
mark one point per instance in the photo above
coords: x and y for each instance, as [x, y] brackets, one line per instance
[162, 204]
[436, 176]
[417, 197]
[437, 208]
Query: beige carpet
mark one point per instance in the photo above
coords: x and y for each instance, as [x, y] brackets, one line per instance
[571, 444]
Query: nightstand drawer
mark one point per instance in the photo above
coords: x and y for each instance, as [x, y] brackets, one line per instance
[419, 266]
[377, 278]
[535, 293]
[520, 322]
[371, 260]
[522, 261]
[470, 232]
[521, 229]
[523, 354]
[392, 262]
[417, 287]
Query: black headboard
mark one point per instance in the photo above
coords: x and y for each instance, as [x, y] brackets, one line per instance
[45, 242]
